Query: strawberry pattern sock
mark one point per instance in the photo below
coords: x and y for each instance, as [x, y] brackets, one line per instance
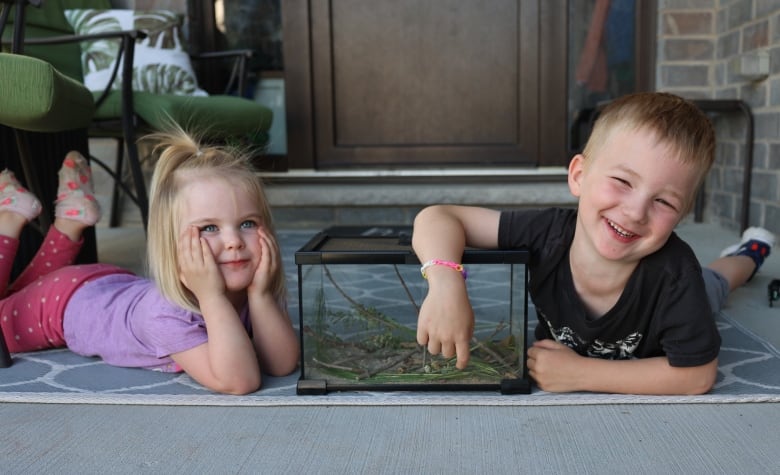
[76, 194]
[14, 197]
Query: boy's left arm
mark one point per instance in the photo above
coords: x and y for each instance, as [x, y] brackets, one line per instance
[557, 368]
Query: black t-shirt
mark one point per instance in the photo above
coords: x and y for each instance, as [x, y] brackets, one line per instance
[662, 311]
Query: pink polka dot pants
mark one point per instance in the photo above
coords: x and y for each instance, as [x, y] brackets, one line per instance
[32, 308]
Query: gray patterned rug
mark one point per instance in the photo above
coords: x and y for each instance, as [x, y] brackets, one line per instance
[749, 371]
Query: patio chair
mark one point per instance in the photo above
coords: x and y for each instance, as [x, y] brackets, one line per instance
[35, 98]
[123, 112]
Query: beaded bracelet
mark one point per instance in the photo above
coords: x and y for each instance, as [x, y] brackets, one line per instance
[439, 262]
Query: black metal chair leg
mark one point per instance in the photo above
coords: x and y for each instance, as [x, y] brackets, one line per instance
[138, 181]
[32, 177]
[115, 219]
[128, 130]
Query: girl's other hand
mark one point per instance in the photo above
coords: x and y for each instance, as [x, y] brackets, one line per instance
[269, 262]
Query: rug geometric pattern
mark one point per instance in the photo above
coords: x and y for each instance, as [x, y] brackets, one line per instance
[749, 371]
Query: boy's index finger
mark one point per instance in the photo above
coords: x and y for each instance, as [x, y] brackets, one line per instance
[462, 350]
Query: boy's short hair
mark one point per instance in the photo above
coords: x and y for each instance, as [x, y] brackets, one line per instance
[674, 121]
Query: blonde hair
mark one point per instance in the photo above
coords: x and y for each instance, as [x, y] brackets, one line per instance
[675, 122]
[181, 154]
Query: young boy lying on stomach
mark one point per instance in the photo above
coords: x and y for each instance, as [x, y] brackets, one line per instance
[623, 304]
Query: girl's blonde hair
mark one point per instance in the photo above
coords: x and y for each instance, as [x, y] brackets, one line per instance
[181, 153]
[675, 122]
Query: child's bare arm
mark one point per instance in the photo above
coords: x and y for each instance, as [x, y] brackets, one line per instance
[227, 362]
[557, 368]
[446, 321]
[275, 340]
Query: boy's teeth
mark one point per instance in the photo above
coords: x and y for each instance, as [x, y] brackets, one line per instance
[620, 230]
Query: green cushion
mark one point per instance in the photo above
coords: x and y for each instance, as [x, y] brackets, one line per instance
[51, 14]
[65, 58]
[48, 21]
[215, 116]
[35, 96]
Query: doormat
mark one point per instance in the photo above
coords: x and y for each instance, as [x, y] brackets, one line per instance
[749, 372]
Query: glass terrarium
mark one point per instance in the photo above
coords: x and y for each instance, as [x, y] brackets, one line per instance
[360, 290]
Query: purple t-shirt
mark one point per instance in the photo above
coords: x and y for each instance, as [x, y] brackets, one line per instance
[124, 319]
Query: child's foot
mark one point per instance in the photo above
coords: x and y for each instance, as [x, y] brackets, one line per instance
[75, 194]
[756, 243]
[14, 197]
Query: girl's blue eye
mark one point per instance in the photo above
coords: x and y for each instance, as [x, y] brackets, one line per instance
[248, 224]
[209, 228]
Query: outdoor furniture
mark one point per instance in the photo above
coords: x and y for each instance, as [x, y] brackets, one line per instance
[35, 97]
[124, 114]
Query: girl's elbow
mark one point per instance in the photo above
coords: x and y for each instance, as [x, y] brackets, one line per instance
[239, 387]
[283, 368]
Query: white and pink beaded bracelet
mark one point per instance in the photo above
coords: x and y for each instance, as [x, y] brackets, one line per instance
[439, 262]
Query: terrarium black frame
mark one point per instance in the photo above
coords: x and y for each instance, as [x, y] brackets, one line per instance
[359, 291]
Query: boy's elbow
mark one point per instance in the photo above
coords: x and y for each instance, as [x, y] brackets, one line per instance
[423, 214]
[703, 379]
[433, 212]
[698, 388]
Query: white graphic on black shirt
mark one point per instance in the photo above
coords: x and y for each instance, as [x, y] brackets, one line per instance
[620, 350]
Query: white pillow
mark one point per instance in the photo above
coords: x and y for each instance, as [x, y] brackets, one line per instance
[160, 66]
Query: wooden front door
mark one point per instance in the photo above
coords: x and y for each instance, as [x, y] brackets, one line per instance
[421, 83]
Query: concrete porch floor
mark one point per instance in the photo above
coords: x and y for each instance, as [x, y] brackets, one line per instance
[681, 438]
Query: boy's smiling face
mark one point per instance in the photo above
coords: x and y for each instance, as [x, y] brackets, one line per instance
[632, 194]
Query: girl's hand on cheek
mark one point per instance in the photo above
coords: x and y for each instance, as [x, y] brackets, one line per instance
[197, 268]
[269, 262]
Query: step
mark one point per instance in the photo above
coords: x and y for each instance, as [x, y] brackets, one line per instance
[306, 199]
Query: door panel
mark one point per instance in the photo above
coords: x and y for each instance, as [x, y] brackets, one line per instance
[415, 82]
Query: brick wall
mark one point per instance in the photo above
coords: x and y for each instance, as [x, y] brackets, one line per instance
[698, 43]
